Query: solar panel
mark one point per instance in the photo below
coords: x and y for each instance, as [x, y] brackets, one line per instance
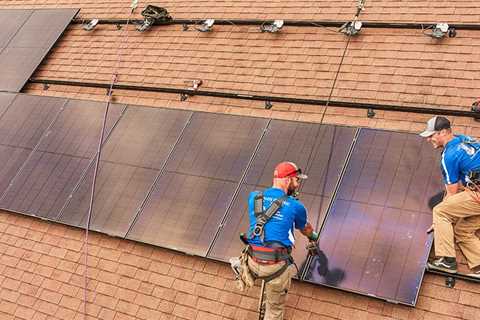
[183, 212]
[190, 199]
[62, 156]
[21, 127]
[42, 28]
[131, 159]
[27, 118]
[216, 146]
[17, 65]
[26, 46]
[374, 236]
[300, 143]
[10, 22]
[5, 101]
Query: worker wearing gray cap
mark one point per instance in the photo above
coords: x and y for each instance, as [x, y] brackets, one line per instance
[457, 217]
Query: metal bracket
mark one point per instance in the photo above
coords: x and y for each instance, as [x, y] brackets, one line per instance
[268, 105]
[370, 113]
[183, 96]
[476, 109]
[119, 27]
[46, 86]
[450, 282]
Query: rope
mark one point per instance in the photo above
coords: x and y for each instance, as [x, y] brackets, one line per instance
[99, 151]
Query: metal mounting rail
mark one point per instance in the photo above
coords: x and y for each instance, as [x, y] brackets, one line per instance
[292, 23]
[280, 99]
[454, 275]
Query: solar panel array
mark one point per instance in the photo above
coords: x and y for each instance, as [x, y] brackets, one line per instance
[26, 38]
[181, 179]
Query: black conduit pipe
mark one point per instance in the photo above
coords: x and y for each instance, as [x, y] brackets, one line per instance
[280, 99]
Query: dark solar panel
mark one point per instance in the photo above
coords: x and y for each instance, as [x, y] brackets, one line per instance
[5, 101]
[10, 22]
[27, 118]
[11, 159]
[216, 146]
[183, 212]
[189, 201]
[21, 128]
[294, 141]
[64, 152]
[119, 191]
[131, 159]
[300, 143]
[374, 236]
[77, 129]
[27, 46]
[17, 65]
[42, 28]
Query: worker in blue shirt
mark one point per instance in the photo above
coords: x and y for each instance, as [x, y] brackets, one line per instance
[457, 217]
[270, 240]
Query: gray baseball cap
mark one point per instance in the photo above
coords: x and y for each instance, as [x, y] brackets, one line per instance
[435, 124]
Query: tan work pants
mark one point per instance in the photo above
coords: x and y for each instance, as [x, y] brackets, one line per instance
[458, 216]
[276, 289]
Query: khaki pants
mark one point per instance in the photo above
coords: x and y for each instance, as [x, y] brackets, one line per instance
[276, 289]
[458, 215]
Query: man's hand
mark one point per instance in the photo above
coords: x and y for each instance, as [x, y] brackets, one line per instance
[430, 230]
[313, 236]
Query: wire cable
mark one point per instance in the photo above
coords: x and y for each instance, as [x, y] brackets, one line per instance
[123, 37]
[327, 166]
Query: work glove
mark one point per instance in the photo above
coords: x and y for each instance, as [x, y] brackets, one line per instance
[313, 236]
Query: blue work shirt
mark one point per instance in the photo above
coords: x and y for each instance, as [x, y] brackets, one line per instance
[460, 156]
[281, 226]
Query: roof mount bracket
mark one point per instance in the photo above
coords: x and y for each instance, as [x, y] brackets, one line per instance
[476, 110]
[450, 282]
[370, 113]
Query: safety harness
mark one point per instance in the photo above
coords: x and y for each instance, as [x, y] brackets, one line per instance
[271, 252]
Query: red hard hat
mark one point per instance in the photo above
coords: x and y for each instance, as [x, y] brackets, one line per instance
[288, 169]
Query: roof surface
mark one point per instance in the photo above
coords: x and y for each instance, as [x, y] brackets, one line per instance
[40, 263]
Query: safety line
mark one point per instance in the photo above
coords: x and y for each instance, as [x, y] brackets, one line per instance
[124, 37]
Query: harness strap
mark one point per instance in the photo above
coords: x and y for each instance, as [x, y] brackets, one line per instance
[263, 217]
[268, 255]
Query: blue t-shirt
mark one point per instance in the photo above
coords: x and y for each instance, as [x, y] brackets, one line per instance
[280, 227]
[460, 156]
